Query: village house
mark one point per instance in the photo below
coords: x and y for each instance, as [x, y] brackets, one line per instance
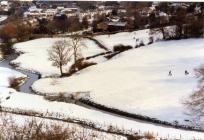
[112, 24]
[4, 6]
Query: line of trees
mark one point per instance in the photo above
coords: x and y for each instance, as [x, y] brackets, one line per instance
[187, 24]
[18, 30]
[14, 31]
[60, 24]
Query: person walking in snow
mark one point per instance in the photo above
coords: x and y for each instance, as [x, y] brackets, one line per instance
[186, 72]
[170, 73]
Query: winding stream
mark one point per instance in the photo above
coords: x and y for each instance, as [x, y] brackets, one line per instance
[31, 77]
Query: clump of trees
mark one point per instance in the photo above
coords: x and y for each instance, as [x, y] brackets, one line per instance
[14, 31]
[188, 21]
[86, 5]
[60, 24]
[63, 51]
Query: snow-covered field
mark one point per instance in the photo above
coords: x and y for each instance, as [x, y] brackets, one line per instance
[5, 75]
[21, 101]
[137, 81]
[35, 55]
[128, 38]
[102, 120]
[76, 130]
[135, 38]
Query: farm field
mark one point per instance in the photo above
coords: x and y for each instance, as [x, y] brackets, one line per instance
[135, 81]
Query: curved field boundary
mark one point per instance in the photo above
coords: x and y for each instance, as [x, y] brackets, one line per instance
[138, 117]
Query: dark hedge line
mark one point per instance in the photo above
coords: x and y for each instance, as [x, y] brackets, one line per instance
[137, 116]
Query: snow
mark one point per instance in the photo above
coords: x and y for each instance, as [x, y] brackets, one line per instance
[78, 130]
[4, 2]
[35, 55]
[5, 74]
[128, 38]
[162, 14]
[101, 120]
[114, 83]
[137, 81]
[3, 17]
[1, 55]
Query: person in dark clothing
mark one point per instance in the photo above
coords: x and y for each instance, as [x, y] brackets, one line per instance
[186, 72]
[170, 73]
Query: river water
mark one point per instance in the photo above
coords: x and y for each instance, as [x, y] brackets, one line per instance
[31, 77]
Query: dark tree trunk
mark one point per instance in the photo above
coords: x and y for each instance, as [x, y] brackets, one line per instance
[162, 30]
[75, 57]
[61, 70]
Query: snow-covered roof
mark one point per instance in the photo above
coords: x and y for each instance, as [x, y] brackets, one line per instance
[4, 3]
[101, 7]
[117, 23]
[60, 7]
[162, 14]
[122, 10]
[197, 9]
[34, 9]
[51, 11]
[114, 19]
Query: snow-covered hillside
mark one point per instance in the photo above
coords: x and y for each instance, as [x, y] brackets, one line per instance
[137, 81]
[35, 55]
[135, 38]
[17, 101]
[128, 38]
[101, 120]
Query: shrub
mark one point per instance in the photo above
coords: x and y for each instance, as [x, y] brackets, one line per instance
[15, 82]
[6, 48]
[79, 65]
[121, 48]
[109, 56]
[34, 128]
[141, 43]
[151, 40]
[61, 97]
[135, 137]
[149, 136]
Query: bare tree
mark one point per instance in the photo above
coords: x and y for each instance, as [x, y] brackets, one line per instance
[195, 103]
[76, 45]
[60, 54]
